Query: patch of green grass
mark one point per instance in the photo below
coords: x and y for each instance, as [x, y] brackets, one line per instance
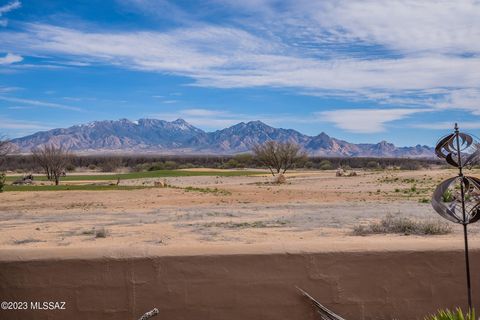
[214, 191]
[208, 190]
[402, 225]
[147, 174]
[87, 187]
[447, 196]
[452, 315]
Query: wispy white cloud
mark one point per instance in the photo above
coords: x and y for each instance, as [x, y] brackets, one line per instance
[76, 99]
[4, 89]
[10, 58]
[448, 125]
[20, 107]
[466, 99]
[365, 120]
[228, 57]
[7, 123]
[401, 53]
[406, 26]
[39, 103]
[7, 8]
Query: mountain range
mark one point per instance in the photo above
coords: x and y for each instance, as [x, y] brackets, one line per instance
[180, 137]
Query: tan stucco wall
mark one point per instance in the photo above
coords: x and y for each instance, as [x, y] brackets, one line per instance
[357, 285]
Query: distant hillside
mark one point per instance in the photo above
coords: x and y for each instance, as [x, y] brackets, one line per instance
[176, 137]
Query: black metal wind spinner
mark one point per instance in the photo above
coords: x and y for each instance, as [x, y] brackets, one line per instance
[457, 199]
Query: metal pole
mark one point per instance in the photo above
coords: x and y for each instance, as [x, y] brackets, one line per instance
[465, 222]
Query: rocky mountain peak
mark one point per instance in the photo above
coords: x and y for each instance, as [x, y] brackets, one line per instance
[179, 136]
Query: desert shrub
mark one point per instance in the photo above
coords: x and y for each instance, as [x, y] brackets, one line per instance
[325, 165]
[111, 164]
[411, 165]
[244, 160]
[452, 315]
[373, 165]
[402, 225]
[101, 233]
[231, 164]
[186, 166]
[156, 166]
[92, 167]
[3, 178]
[170, 165]
[70, 167]
[309, 165]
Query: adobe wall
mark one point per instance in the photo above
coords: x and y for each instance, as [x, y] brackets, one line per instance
[357, 285]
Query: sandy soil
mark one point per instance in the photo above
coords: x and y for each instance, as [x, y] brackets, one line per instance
[222, 211]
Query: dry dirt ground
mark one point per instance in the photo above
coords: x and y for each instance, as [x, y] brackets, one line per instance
[313, 206]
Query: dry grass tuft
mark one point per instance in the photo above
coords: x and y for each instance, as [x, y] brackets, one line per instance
[101, 233]
[27, 240]
[401, 225]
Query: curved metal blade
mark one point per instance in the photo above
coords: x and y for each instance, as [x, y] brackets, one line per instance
[450, 160]
[440, 207]
[443, 144]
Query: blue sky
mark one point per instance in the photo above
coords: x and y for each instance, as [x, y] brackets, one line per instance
[363, 71]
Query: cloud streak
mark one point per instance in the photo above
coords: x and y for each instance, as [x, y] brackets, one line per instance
[39, 103]
[448, 125]
[7, 8]
[365, 120]
[22, 125]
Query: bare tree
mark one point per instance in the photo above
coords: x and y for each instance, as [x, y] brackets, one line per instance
[53, 161]
[279, 156]
[6, 147]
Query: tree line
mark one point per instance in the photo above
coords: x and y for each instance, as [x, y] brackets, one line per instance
[277, 157]
[108, 163]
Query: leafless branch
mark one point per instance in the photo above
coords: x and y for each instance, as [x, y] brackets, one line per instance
[53, 161]
[279, 156]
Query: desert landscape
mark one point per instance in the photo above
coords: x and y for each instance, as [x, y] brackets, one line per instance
[115, 235]
[247, 207]
[240, 160]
